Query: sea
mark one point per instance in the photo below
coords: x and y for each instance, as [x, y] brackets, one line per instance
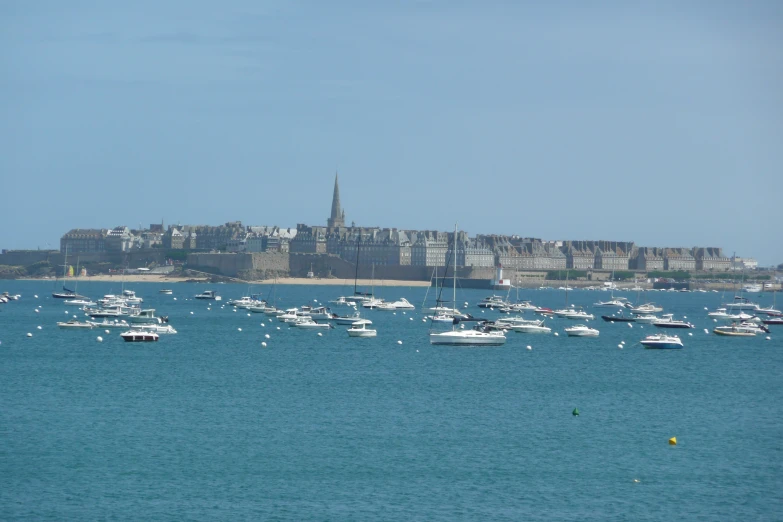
[209, 424]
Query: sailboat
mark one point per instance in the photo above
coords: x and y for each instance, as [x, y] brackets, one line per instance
[570, 312]
[79, 301]
[465, 337]
[66, 293]
[620, 302]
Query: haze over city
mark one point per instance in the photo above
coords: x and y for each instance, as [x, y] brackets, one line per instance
[656, 124]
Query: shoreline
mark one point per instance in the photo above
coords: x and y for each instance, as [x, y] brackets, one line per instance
[164, 280]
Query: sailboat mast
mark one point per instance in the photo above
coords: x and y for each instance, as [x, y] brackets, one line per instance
[454, 272]
[356, 275]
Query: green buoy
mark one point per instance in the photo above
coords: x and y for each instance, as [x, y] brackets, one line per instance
[575, 412]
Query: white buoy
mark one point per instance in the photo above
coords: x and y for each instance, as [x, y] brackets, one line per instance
[263, 344]
[557, 334]
[417, 351]
[399, 342]
[263, 324]
[29, 334]
[622, 342]
[404, 313]
[175, 298]
[394, 313]
[66, 313]
[278, 327]
[411, 318]
[706, 308]
[630, 325]
[40, 328]
[239, 329]
[107, 331]
[423, 320]
[684, 316]
[611, 322]
[769, 338]
[36, 311]
[75, 316]
[320, 334]
[191, 313]
[99, 339]
[714, 320]
[706, 331]
[36, 296]
[620, 346]
[267, 336]
[689, 333]
[529, 347]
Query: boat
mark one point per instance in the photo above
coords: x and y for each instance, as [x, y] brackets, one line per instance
[400, 304]
[532, 328]
[73, 323]
[347, 319]
[139, 336]
[66, 293]
[574, 313]
[147, 317]
[108, 312]
[618, 319]
[210, 295]
[292, 314]
[777, 321]
[646, 319]
[79, 302]
[741, 330]
[130, 297]
[742, 304]
[309, 323]
[723, 315]
[160, 329]
[491, 301]
[360, 329]
[752, 288]
[668, 321]
[647, 308]
[545, 311]
[662, 341]
[581, 330]
[461, 336]
[110, 324]
[615, 302]
[166, 291]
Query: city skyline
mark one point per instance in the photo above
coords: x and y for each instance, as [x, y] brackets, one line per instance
[658, 125]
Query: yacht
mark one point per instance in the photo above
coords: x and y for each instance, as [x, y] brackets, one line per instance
[166, 291]
[79, 302]
[519, 307]
[492, 301]
[342, 301]
[244, 302]
[723, 315]
[210, 295]
[372, 303]
[581, 330]
[618, 319]
[647, 308]
[545, 311]
[348, 319]
[292, 314]
[617, 302]
[160, 329]
[752, 288]
[147, 317]
[740, 330]
[130, 297]
[774, 320]
[532, 328]
[73, 323]
[468, 337]
[668, 321]
[308, 323]
[646, 319]
[139, 336]
[573, 313]
[741, 303]
[662, 341]
[360, 329]
[110, 324]
[400, 304]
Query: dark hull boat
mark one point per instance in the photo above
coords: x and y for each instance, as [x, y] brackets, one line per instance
[617, 319]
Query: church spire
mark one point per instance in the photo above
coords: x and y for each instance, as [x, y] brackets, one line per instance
[337, 218]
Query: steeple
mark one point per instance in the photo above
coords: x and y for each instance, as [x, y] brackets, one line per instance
[337, 218]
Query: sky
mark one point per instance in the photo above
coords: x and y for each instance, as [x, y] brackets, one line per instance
[659, 123]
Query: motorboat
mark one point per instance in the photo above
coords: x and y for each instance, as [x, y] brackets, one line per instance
[741, 303]
[523, 306]
[320, 312]
[272, 311]
[752, 288]
[618, 319]
[662, 341]
[360, 329]
[617, 302]
[468, 337]
[74, 324]
[581, 330]
[166, 291]
[740, 330]
[160, 329]
[400, 304]
[723, 315]
[573, 313]
[292, 315]
[210, 295]
[244, 302]
[510, 322]
[532, 328]
[668, 321]
[147, 317]
[259, 308]
[348, 319]
[67, 294]
[372, 303]
[310, 324]
[111, 311]
[647, 308]
[79, 302]
[545, 311]
[110, 324]
[342, 301]
[492, 302]
[129, 296]
[775, 321]
[646, 319]
[139, 336]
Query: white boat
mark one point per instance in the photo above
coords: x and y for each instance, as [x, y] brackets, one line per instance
[130, 297]
[79, 302]
[166, 291]
[342, 301]
[271, 311]
[647, 308]
[532, 328]
[752, 288]
[160, 329]
[360, 329]
[112, 311]
[310, 324]
[372, 303]
[723, 315]
[668, 321]
[110, 324]
[209, 295]
[617, 302]
[491, 301]
[740, 330]
[662, 341]
[523, 306]
[400, 304]
[348, 319]
[292, 315]
[147, 317]
[646, 319]
[581, 330]
[257, 309]
[741, 303]
[467, 337]
[577, 314]
[139, 336]
[73, 323]
[321, 312]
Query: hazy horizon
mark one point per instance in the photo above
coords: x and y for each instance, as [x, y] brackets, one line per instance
[657, 124]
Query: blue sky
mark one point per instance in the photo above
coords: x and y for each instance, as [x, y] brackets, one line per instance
[660, 123]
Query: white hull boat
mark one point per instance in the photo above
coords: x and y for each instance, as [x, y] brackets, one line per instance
[662, 342]
[467, 337]
[581, 330]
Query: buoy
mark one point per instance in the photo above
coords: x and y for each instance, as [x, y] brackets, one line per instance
[107, 331]
[769, 338]
[99, 339]
[706, 308]
[66, 313]
[529, 347]
[248, 315]
[267, 336]
[622, 342]
[611, 322]
[714, 320]
[394, 313]
[263, 344]
[29, 334]
[399, 342]
[630, 325]
[689, 333]
[411, 318]
[673, 441]
[417, 351]
[636, 480]
[37, 311]
[263, 324]
[706, 331]
[423, 320]
[575, 413]
[620, 346]
[278, 327]
[36, 296]
[191, 313]
[239, 329]
[641, 326]
[175, 298]
[320, 334]
[557, 334]
[40, 328]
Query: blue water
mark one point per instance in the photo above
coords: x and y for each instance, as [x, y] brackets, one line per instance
[209, 425]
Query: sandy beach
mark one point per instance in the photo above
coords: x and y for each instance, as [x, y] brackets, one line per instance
[166, 280]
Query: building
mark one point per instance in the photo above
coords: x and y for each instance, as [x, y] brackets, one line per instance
[678, 259]
[429, 248]
[744, 263]
[87, 240]
[119, 239]
[337, 216]
[711, 259]
[580, 255]
[649, 259]
[613, 255]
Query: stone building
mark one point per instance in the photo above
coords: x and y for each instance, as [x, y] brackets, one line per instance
[337, 216]
[649, 258]
[119, 239]
[678, 259]
[711, 258]
[580, 255]
[86, 240]
[613, 255]
[429, 247]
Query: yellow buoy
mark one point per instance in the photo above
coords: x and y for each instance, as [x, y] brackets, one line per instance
[673, 441]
